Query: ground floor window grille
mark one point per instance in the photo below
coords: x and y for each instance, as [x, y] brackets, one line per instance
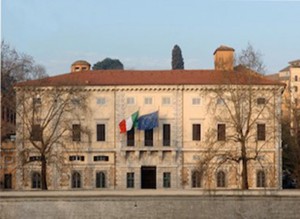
[36, 180]
[167, 180]
[100, 180]
[130, 180]
[76, 180]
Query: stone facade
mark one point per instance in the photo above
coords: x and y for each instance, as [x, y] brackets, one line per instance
[185, 143]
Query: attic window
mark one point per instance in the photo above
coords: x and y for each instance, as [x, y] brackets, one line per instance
[261, 101]
[37, 100]
[76, 158]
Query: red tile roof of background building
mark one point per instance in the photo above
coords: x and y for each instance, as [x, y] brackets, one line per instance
[151, 77]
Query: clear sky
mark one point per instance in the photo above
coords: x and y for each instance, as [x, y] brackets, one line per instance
[142, 33]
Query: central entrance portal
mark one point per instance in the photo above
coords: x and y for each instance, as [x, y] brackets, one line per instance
[148, 178]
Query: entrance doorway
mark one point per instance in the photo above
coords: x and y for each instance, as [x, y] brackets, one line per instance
[148, 178]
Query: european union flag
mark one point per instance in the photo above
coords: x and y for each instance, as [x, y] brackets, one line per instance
[148, 121]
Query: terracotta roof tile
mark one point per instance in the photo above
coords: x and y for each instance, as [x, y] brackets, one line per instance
[142, 77]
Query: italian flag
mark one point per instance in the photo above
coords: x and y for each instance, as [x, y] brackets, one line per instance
[127, 124]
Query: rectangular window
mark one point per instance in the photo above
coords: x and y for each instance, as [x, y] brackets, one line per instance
[196, 132]
[37, 101]
[130, 137]
[3, 112]
[220, 101]
[7, 114]
[221, 132]
[261, 132]
[7, 181]
[100, 180]
[166, 179]
[101, 101]
[36, 133]
[130, 101]
[296, 77]
[196, 101]
[148, 101]
[166, 101]
[100, 132]
[35, 158]
[261, 101]
[76, 133]
[76, 158]
[149, 137]
[101, 158]
[296, 89]
[75, 101]
[166, 134]
[130, 180]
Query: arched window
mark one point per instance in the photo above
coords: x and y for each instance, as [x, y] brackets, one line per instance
[196, 179]
[100, 180]
[76, 180]
[36, 180]
[260, 179]
[221, 179]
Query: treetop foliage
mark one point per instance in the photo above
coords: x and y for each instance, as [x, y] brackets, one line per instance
[16, 67]
[108, 63]
[251, 59]
[177, 59]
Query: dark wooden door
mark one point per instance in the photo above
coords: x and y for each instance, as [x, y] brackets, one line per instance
[148, 178]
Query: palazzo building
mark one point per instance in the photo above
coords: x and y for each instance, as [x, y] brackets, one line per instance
[190, 146]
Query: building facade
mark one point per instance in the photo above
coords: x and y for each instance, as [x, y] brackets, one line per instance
[193, 146]
[290, 75]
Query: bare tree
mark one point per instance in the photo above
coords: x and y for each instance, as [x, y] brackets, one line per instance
[251, 59]
[15, 67]
[247, 117]
[291, 145]
[19, 66]
[46, 117]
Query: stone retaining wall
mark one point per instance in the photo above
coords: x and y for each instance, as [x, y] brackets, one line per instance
[150, 204]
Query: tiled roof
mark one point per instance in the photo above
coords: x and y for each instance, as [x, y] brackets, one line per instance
[273, 76]
[155, 77]
[295, 63]
[285, 69]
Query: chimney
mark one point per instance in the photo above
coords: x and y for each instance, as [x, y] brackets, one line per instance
[80, 65]
[224, 58]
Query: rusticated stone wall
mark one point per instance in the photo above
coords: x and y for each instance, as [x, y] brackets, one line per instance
[150, 204]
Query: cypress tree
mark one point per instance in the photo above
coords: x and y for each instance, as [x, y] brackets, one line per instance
[177, 60]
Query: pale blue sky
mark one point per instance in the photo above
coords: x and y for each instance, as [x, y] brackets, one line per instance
[142, 33]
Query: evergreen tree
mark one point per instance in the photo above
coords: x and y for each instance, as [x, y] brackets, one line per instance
[108, 63]
[177, 60]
